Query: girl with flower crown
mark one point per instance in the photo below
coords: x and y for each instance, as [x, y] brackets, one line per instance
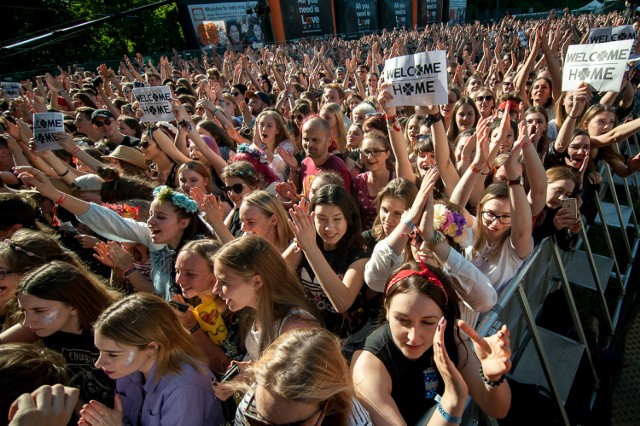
[438, 241]
[173, 220]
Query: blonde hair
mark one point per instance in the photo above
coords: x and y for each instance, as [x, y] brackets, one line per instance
[280, 291]
[270, 206]
[342, 130]
[144, 318]
[306, 365]
[498, 190]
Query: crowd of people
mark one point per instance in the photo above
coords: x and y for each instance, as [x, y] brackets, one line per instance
[291, 249]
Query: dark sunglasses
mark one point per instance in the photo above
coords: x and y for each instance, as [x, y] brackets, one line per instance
[298, 117]
[106, 122]
[374, 114]
[236, 93]
[256, 420]
[237, 188]
[144, 144]
[484, 98]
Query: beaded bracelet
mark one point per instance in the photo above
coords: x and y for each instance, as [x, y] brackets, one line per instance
[447, 417]
[493, 384]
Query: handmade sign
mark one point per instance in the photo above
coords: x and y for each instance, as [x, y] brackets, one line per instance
[419, 79]
[12, 90]
[601, 65]
[155, 102]
[607, 34]
[45, 126]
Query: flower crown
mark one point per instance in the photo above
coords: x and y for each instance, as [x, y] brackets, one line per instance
[124, 210]
[452, 224]
[178, 199]
[251, 150]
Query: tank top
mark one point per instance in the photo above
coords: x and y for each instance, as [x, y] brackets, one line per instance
[414, 383]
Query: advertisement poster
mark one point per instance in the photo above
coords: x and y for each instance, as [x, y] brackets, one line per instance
[306, 18]
[429, 12]
[457, 10]
[395, 14]
[226, 24]
[353, 17]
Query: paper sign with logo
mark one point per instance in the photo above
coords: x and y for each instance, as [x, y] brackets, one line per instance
[419, 79]
[607, 34]
[12, 90]
[155, 102]
[601, 65]
[45, 125]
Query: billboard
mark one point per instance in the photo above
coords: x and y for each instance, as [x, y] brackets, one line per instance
[394, 13]
[226, 24]
[306, 18]
[356, 16]
[429, 12]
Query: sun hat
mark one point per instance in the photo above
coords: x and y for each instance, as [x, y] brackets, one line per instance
[129, 155]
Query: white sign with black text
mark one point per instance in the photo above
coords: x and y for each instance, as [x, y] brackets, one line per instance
[155, 103]
[419, 79]
[607, 34]
[45, 126]
[601, 65]
[12, 90]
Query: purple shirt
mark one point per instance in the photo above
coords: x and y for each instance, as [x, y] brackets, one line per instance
[185, 398]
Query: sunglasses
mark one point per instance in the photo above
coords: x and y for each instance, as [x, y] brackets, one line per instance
[298, 117]
[255, 419]
[401, 111]
[374, 114]
[484, 98]
[106, 122]
[236, 93]
[237, 188]
[144, 144]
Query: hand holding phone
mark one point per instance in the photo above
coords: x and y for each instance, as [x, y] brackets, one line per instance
[571, 204]
[232, 372]
[182, 307]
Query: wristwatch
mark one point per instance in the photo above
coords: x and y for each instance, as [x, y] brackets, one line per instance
[514, 182]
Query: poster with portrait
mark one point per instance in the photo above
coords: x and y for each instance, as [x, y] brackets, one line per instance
[429, 12]
[457, 11]
[226, 24]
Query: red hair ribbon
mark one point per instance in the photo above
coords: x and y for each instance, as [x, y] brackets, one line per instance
[513, 106]
[424, 273]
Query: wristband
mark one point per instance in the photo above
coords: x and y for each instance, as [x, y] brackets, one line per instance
[493, 384]
[130, 270]
[194, 328]
[514, 182]
[434, 118]
[407, 222]
[575, 118]
[447, 417]
[466, 158]
[66, 172]
[74, 151]
[63, 196]
[474, 169]
[392, 118]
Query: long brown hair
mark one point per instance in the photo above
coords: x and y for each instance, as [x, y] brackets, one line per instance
[498, 190]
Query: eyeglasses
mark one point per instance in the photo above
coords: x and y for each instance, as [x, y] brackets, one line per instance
[484, 98]
[106, 122]
[401, 111]
[491, 217]
[255, 419]
[237, 188]
[373, 152]
[3, 274]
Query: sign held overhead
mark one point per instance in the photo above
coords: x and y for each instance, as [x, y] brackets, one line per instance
[419, 79]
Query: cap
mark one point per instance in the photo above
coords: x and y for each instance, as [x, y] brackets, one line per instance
[87, 183]
[104, 113]
[263, 96]
[128, 154]
[341, 69]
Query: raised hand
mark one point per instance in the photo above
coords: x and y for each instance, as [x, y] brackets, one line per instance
[493, 352]
[455, 388]
[302, 224]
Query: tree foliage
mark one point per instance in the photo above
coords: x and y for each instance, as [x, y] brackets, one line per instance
[149, 31]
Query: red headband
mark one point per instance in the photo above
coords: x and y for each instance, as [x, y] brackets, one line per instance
[424, 273]
[513, 106]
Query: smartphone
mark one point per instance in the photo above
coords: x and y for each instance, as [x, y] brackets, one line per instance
[182, 307]
[572, 205]
[232, 372]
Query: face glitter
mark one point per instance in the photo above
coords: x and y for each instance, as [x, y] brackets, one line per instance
[130, 358]
[50, 317]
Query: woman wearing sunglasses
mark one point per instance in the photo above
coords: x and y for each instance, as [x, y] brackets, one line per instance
[485, 101]
[301, 379]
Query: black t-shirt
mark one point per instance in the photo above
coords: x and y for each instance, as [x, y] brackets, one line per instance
[346, 323]
[414, 383]
[81, 355]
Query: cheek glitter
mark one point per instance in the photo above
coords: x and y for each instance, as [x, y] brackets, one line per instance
[50, 317]
[130, 358]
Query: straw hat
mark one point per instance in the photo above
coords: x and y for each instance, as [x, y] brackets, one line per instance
[129, 155]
